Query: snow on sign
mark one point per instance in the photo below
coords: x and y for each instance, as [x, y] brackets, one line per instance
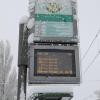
[62, 7]
[53, 18]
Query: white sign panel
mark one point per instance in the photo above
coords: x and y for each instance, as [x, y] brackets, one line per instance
[53, 18]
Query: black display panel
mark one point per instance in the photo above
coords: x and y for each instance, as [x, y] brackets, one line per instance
[54, 62]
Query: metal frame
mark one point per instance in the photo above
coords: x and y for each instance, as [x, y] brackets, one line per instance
[53, 79]
[46, 96]
[73, 39]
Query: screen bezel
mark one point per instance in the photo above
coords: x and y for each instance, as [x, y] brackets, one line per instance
[33, 79]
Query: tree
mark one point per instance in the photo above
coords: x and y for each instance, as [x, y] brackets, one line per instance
[11, 86]
[7, 78]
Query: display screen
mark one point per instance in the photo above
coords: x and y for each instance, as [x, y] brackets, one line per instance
[52, 62]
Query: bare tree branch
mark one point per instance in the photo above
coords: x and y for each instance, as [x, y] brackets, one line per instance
[8, 81]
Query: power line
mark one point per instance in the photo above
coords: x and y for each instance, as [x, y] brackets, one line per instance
[85, 54]
[96, 56]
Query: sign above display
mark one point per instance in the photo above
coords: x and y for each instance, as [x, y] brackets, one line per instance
[61, 7]
[53, 18]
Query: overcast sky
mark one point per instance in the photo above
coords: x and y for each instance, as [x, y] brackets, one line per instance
[11, 12]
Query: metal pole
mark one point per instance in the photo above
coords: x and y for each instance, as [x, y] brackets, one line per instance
[22, 61]
[22, 77]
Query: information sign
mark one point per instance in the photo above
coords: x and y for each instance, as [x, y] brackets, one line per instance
[53, 18]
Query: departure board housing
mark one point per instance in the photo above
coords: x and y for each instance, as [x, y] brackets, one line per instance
[51, 64]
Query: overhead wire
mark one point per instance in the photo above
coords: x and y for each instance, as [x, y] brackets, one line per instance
[85, 54]
[94, 59]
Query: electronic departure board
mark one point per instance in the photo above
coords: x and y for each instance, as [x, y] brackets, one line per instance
[54, 62]
[50, 64]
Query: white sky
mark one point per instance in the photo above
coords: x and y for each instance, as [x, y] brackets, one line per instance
[88, 13]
